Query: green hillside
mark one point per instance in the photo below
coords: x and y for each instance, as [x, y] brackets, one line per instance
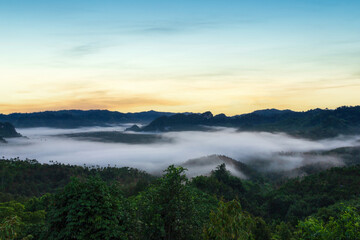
[56, 201]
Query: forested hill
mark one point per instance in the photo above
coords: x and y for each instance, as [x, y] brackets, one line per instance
[78, 118]
[29, 178]
[43, 201]
[7, 130]
[317, 123]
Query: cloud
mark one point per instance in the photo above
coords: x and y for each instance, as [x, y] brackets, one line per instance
[160, 30]
[151, 27]
[101, 99]
[83, 50]
[278, 151]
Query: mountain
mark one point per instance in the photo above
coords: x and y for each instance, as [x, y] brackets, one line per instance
[184, 122]
[133, 128]
[204, 166]
[262, 169]
[271, 112]
[7, 130]
[315, 124]
[79, 118]
[349, 155]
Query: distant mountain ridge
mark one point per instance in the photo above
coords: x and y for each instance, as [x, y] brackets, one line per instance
[316, 123]
[271, 112]
[79, 118]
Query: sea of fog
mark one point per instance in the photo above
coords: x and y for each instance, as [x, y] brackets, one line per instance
[44, 145]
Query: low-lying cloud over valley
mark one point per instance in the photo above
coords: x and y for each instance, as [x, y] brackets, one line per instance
[270, 151]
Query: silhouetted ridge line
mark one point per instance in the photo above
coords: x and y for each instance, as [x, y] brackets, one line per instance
[316, 123]
[79, 118]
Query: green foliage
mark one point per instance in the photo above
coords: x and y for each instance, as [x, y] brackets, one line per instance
[345, 226]
[18, 222]
[299, 198]
[41, 203]
[336, 209]
[261, 231]
[88, 209]
[283, 231]
[223, 185]
[30, 178]
[229, 222]
[124, 203]
[171, 209]
[10, 227]
[13, 208]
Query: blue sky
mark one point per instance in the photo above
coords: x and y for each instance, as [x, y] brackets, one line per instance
[224, 56]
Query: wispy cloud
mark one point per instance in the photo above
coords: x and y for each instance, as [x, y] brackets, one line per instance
[83, 49]
[172, 27]
[91, 100]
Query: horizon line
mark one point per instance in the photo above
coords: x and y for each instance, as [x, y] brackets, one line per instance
[152, 110]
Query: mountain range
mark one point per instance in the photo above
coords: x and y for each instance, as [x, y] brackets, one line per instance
[314, 124]
[78, 118]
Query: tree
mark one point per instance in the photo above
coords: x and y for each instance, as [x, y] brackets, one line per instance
[10, 227]
[345, 226]
[261, 230]
[88, 209]
[221, 183]
[230, 222]
[167, 210]
[17, 222]
[283, 231]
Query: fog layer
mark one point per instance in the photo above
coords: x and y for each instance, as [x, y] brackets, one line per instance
[43, 144]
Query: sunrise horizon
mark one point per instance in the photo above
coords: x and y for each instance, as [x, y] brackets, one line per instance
[176, 112]
[179, 119]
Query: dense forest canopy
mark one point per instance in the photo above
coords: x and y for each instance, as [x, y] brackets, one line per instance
[57, 201]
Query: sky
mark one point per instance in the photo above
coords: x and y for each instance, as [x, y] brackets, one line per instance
[225, 56]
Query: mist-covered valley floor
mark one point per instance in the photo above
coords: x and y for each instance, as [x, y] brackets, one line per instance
[103, 146]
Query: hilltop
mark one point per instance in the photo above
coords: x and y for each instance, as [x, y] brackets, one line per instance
[7, 130]
[78, 118]
[315, 124]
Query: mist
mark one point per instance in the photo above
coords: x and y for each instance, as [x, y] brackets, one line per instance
[279, 151]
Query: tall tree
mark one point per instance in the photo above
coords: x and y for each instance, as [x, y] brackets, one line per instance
[230, 222]
[167, 209]
[88, 209]
[344, 226]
